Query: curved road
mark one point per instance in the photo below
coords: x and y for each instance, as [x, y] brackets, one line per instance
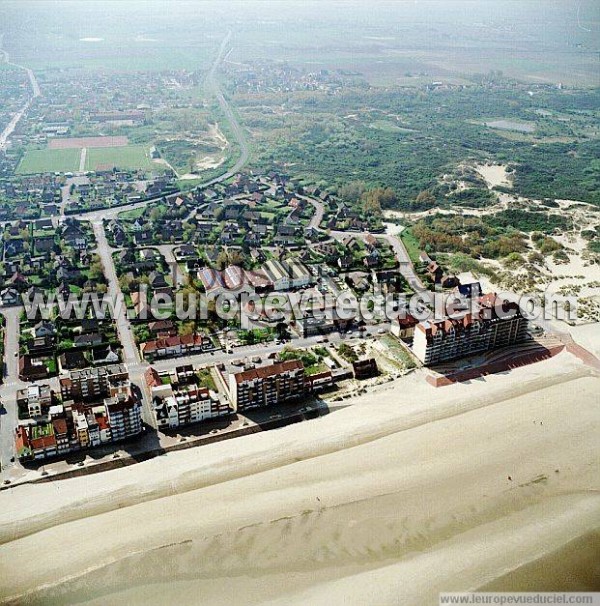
[236, 129]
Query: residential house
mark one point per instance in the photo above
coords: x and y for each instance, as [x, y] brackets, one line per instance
[32, 369]
[10, 296]
[88, 340]
[72, 359]
[44, 328]
[104, 355]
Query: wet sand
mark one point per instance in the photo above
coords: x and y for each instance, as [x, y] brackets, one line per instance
[408, 492]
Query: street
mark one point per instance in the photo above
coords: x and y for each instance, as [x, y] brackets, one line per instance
[130, 351]
[8, 390]
[35, 90]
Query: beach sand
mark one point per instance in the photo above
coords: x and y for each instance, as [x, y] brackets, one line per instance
[410, 491]
[494, 174]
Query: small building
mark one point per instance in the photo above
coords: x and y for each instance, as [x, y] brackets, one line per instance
[32, 369]
[403, 327]
[365, 369]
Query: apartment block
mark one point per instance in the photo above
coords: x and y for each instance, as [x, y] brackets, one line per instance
[93, 383]
[98, 407]
[267, 385]
[79, 427]
[473, 332]
[124, 417]
[181, 401]
[37, 399]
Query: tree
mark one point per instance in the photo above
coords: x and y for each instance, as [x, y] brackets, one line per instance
[376, 199]
[425, 200]
[371, 204]
[352, 192]
[96, 270]
[187, 328]
[192, 163]
[222, 260]
[155, 215]
[125, 281]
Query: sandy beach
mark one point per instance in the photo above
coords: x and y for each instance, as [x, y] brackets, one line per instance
[391, 497]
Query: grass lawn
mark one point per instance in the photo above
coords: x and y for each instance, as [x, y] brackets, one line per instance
[398, 351]
[49, 161]
[132, 215]
[129, 157]
[389, 127]
[205, 379]
[411, 244]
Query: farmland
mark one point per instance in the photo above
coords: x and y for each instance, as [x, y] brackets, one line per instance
[49, 161]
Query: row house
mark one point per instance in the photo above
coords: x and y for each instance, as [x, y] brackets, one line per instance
[35, 442]
[169, 347]
[36, 398]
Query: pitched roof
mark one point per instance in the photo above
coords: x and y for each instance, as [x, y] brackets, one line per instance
[264, 372]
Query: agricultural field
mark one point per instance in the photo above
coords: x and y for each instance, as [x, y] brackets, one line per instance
[49, 161]
[129, 157]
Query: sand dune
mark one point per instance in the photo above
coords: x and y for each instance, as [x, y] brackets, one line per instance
[400, 496]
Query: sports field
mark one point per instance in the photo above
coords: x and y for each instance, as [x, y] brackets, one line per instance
[49, 161]
[79, 142]
[128, 157]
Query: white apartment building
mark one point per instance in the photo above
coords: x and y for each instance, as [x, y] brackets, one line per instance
[176, 405]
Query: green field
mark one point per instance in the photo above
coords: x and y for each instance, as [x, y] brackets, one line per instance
[49, 161]
[411, 244]
[129, 157]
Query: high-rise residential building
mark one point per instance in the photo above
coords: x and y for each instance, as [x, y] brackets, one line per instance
[124, 416]
[267, 385]
[492, 325]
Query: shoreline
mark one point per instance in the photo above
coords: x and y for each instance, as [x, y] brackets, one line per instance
[360, 429]
[289, 514]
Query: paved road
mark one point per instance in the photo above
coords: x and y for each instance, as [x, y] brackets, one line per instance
[130, 351]
[236, 129]
[35, 90]
[166, 250]
[262, 349]
[317, 218]
[406, 267]
[8, 391]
